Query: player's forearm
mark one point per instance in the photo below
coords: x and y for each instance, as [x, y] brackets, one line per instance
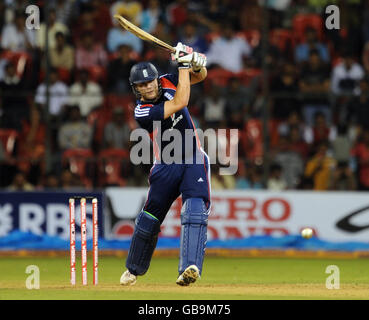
[182, 95]
[198, 76]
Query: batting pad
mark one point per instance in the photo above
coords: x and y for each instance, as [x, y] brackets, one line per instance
[194, 220]
[143, 243]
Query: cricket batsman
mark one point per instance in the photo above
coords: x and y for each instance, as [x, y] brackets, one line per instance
[162, 100]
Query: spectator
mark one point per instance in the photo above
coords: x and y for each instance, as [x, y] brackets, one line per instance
[20, 183]
[213, 11]
[365, 58]
[190, 37]
[249, 15]
[341, 145]
[13, 101]
[7, 169]
[54, 28]
[242, 180]
[161, 61]
[2, 14]
[362, 105]
[85, 93]
[297, 143]
[275, 181]
[64, 10]
[118, 36]
[305, 183]
[16, 37]
[31, 145]
[69, 181]
[119, 69]
[346, 76]
[3, 63]
[361, 154]
[343, 178]
[221, 182]
[255, 176]
[214, 105]
[273, 57]
[94, 18]
[130, 9]
[90, 54]
[302, 50]
[238, 100]
[228, 51]
[51, 182]
[249, 177]
[117, 131]
[285, 84]
[58, 94]
[163, 32]
[151, 15]
[314, 83]
[290, 161]
[294, 120]
[12, 7]
[62, 56]
[177, 13]
[320, 131]
[320, 167]
[75, 133]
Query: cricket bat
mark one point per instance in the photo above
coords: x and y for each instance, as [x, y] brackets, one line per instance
[129, 26]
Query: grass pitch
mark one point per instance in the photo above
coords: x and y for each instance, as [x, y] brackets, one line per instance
[222, 279]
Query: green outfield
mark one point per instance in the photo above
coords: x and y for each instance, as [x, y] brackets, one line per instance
[223, 278]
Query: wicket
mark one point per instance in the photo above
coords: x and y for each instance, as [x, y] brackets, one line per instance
[72, 220]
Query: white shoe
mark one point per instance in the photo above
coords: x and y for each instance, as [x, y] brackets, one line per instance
[188, 276]
[128, 278]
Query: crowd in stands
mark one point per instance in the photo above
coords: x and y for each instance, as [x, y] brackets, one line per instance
[315, 88]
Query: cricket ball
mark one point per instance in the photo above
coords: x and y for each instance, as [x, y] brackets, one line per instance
[307, 233]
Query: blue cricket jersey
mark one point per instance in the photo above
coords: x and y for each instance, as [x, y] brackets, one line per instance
[147, 113]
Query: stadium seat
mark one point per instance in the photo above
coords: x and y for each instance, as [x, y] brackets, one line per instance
[247, 75]
[64, 75]
[301, 21]
[81, 163]
[20, 59]
[254, 135]
[97, 74]
[282, 39]
[112, 167]
[8, 138]
[218, 77]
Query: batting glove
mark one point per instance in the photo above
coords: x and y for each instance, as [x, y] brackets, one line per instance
[198, 61]
[183, 55]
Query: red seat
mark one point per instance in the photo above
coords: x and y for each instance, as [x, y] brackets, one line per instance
[20, 59]
[97, 74]
[80, 162]
[218, 77]
[8, 138]
[113, 167]
[282, 39]
[301, 21]
[252, 140]
[247, 75]
[64, 75]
